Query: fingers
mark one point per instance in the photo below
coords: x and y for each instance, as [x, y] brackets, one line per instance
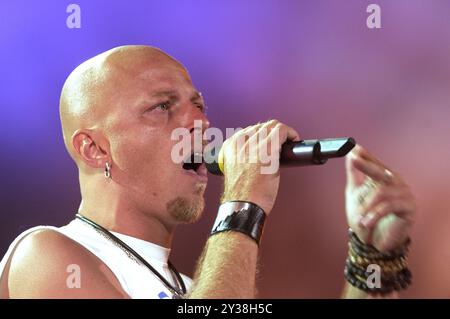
[360, 163]
[269, 132]
[354, 176]
[292, 135]
[400, 207]
[254, 143]
[392, 198]
[379, 201]
[375, 170]
[285, 132]
[386, 193]
[359, 151]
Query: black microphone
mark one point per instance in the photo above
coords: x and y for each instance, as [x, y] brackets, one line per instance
[302, 153]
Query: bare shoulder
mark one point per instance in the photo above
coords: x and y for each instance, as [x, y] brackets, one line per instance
[47, 264]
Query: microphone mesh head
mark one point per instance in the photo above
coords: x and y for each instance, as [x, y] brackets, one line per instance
[210, 156]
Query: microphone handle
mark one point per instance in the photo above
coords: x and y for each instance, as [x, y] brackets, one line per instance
[301, 153]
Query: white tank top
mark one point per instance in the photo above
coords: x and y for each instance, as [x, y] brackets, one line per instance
[136, 279]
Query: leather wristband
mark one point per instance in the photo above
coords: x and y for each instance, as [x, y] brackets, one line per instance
[245, 217]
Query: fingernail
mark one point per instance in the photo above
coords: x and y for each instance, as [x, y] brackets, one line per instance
[365, 221]
[360, 224]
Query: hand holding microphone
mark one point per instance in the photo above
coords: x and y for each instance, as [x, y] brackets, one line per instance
[243, 179]
[247, 177]
[294, 153]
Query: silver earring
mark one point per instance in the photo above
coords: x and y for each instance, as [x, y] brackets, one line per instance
[107, 170]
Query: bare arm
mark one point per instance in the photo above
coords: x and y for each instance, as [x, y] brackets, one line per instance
[39, 269]
[351, 292]
[227, 268]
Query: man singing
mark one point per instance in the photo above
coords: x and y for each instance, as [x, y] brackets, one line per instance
[118, 111]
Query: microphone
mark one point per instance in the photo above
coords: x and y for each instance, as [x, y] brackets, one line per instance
[302, 153]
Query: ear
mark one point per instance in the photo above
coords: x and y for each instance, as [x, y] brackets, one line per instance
[91, 147]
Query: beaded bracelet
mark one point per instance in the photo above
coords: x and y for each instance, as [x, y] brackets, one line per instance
[369, 251]
[394, 272]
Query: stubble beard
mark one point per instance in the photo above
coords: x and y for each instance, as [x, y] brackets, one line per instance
[185, 210]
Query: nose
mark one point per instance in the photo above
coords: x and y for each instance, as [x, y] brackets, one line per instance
[194, 116]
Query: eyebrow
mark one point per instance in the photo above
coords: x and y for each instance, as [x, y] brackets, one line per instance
[196, 96]
[171, 93]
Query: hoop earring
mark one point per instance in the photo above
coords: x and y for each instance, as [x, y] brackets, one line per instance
[107, 170]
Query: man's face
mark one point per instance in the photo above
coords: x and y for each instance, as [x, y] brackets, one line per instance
[149, 103]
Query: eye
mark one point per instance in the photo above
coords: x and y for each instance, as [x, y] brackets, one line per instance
[164, 106]
[201, 107]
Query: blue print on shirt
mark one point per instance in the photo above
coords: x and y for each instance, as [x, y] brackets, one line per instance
[163, 295]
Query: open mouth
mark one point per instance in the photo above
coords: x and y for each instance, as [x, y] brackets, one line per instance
[193, 162]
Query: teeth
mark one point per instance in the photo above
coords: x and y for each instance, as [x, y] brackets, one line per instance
[197, 158]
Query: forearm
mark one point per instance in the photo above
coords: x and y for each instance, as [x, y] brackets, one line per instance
[227, 267]
[351, 292]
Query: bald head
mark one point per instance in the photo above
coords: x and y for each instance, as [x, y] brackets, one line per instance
[118, 112]
[91, 91]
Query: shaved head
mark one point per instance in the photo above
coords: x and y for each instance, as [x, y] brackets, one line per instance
[89, 92]
[118, 110]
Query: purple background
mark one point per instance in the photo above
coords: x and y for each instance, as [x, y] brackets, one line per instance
[312, 64]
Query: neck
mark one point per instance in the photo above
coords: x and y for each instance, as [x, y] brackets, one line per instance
[114, 213]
